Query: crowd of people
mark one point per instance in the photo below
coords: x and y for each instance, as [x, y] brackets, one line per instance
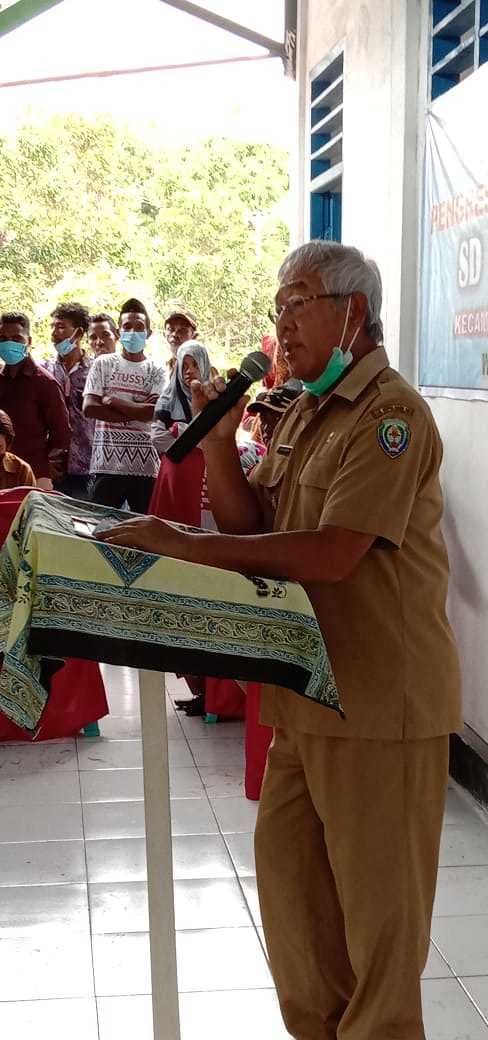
[94, 420]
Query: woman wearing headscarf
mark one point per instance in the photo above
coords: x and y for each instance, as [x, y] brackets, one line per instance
[177, 493]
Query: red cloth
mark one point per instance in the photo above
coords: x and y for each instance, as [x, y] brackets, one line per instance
[178, 490]
[76, 698]
[77, 694]
[224, 697]
[258, 739]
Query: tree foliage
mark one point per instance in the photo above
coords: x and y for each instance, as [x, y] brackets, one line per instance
[89, 210]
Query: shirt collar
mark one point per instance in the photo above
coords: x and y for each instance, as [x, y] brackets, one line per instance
[353, 383]
[28, 368]
[84, 362]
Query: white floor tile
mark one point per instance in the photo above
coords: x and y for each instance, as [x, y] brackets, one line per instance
[216, 903]
[124, 1018]
[113, 820]
[198, 729]
[200, 856]
[262, 939]
[460, 807]
[119, 679]
[218, 752]
[112, 785]
[122, 964]
[41, 823]
[124, 702]
[221, 958]
[235, 815]
[448, 1012]
[119, 907]
[32, 759]
[478, 990]
[223, 781]
[41, 910]
[179, 753]
[120, 727]
[240, 1015]
[98, 753]
[42, 863]
[465, 844]
[116, 859]
[35, 969]
[460, 891]
[192, 816]
[250, 888]
[436, 967]
[241, 848]
[185, 782]
[45, 788]
[50, 1019]
[463, 941]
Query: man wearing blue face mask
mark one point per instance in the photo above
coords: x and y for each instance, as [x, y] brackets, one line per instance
[34, 402]
[120, 394]
[70, 367]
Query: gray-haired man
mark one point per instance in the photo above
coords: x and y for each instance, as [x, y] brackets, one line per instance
[348, 503]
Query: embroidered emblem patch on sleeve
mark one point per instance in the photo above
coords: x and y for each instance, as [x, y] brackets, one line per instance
[394, 437]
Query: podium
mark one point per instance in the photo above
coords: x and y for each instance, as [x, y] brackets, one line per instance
[63, 595]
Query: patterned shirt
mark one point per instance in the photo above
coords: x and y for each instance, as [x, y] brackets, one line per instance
[72, 384]
[124, 447]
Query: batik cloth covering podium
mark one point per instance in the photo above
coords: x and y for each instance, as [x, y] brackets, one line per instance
[64, 595]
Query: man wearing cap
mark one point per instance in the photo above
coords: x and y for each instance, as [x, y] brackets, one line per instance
[269, 407]
[348, 503]
[179, 327]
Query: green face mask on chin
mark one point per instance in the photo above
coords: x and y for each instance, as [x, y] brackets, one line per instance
[336, 365]
[338, 362]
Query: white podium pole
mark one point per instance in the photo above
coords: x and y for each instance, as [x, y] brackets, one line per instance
[159, 858]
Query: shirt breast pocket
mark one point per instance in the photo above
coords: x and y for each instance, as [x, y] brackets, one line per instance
[270, 478]
[314, 482]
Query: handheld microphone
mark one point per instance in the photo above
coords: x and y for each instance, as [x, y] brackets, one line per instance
[255, 366]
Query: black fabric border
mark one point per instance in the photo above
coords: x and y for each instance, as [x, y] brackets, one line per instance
[47, 642]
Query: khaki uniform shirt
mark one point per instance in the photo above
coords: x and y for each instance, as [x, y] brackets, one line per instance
[366, 458]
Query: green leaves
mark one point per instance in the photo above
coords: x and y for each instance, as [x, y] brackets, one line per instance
[89, 210]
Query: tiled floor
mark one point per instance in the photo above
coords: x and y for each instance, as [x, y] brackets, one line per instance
[74, 951]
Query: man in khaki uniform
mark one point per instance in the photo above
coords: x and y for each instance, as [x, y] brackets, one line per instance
[348, 832]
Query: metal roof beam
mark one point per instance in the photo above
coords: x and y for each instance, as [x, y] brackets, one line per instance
[22, 11]
[273, 46]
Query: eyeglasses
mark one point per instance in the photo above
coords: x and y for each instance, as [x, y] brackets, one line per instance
[295, 302]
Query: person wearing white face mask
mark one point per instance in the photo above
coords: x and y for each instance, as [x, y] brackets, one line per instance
[120, 394]
[70, 367]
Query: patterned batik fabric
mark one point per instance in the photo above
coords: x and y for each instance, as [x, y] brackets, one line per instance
[62, 595]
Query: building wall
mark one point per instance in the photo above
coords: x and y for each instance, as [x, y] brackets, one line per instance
[385, 90]
[464, 430]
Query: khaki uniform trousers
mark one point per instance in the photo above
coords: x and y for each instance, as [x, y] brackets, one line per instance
[347, 847]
